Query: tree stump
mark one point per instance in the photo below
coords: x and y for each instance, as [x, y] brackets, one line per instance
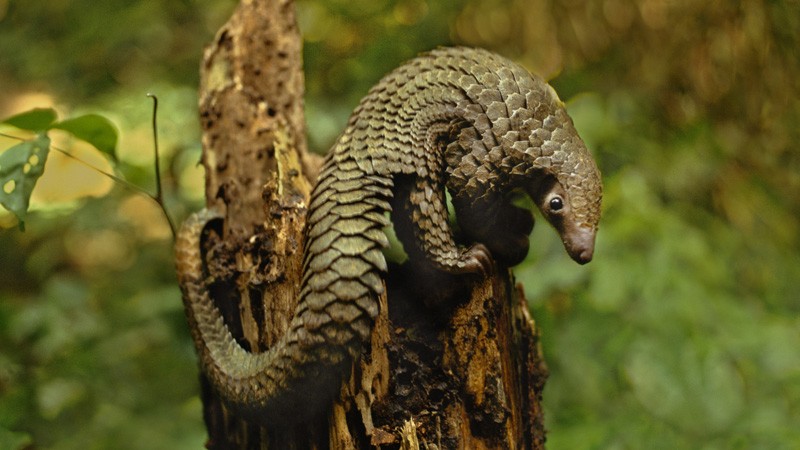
[465, 373]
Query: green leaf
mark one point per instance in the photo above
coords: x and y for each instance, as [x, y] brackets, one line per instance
[37, 119]
[20, 167]
[94, 129]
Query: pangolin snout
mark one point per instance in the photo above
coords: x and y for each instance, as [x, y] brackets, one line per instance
[579, 243]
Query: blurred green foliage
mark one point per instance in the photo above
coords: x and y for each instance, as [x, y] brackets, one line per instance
[682, 333]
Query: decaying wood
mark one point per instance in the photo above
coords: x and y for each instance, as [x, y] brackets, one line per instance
[467, 375]
[470, 377]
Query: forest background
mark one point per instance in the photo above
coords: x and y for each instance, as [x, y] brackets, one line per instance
[682, 333]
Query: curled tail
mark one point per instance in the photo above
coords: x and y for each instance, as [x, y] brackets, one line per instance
[299, 376]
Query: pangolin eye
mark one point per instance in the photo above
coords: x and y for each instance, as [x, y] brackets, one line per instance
[556, 204]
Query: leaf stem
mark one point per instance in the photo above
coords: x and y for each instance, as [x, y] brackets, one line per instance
[159, 197]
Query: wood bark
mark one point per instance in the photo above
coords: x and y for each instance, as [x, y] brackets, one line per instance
[467, 373]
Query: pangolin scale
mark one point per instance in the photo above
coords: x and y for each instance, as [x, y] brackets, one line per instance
[459, 119]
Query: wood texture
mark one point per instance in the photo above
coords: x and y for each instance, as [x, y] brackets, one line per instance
[469, 374]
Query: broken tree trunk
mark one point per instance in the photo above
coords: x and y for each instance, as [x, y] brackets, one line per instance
[466, 376]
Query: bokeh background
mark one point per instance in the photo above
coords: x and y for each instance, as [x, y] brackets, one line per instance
[682, 333]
